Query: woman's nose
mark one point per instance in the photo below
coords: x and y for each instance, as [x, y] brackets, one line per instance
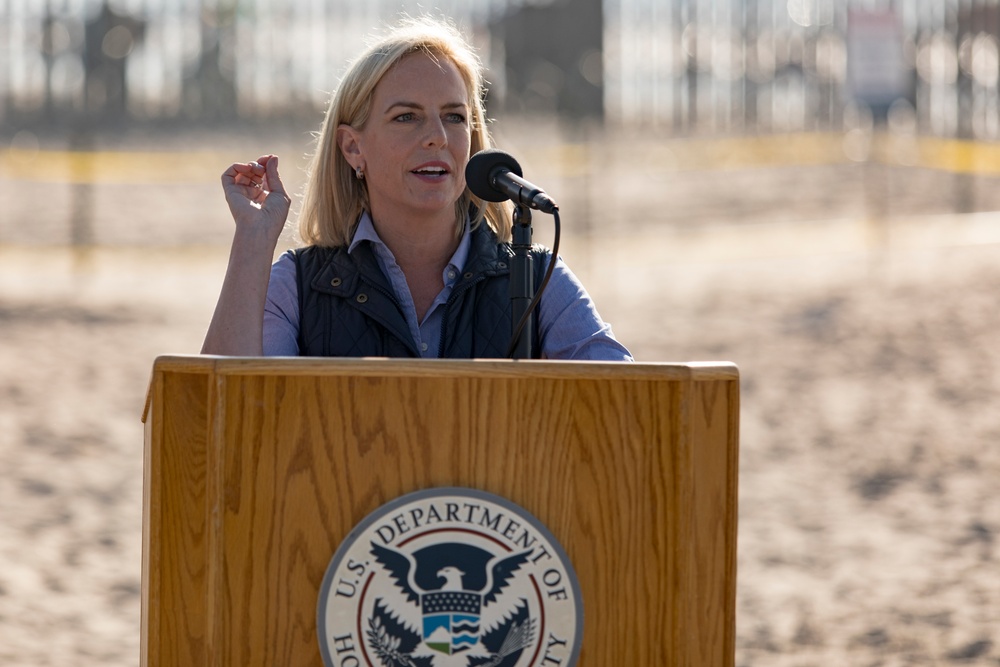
[435, 133]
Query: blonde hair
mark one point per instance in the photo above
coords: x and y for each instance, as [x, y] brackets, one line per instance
[334, 198]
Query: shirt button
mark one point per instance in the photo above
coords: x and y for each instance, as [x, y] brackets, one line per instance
[451, 275]
[423, 347]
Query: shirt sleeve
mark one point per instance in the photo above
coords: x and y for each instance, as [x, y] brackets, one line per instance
[281, 310]
[570, 326]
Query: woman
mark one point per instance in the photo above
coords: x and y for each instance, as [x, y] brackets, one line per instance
[400, 258]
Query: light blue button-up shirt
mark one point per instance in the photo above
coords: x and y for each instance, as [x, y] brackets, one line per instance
[569, 324]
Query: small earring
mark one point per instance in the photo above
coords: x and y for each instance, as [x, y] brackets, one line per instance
[359, 173]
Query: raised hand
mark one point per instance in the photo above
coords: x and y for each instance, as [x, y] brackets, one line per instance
[259, 205]
[256, 196]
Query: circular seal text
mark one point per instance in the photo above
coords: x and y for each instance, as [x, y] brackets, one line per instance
[446, 578]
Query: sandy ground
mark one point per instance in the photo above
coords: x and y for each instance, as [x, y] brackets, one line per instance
[870, 451]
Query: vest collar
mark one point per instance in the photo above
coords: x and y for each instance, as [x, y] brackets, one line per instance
[357, 278]
[487, 255]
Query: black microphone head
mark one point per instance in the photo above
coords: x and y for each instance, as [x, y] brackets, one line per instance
[480, 169]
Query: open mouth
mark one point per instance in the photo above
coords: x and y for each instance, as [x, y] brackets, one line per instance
[430, 171]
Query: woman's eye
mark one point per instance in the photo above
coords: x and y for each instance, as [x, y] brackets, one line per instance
[404, 117]
[456, 118]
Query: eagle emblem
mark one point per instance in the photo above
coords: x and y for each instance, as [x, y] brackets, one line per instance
[449, 577]
[453, 587]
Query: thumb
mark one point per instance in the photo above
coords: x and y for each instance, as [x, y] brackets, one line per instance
[274, 183]
[278, 202]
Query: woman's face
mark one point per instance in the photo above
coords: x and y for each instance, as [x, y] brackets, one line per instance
[415, 145]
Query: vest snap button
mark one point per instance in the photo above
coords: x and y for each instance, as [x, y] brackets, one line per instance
[362, 298]
[467, 275]
[336, 282]
[502, 265]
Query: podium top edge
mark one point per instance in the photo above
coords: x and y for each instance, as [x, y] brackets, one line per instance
[218, 365]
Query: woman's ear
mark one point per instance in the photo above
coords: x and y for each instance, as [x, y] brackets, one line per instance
[349, 142]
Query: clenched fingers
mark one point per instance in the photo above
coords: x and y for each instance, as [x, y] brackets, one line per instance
[255, 193]
[245, 178]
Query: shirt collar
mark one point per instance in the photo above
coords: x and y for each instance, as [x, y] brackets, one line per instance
[366, 232]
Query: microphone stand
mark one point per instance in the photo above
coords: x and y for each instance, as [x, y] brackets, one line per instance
[522, 282]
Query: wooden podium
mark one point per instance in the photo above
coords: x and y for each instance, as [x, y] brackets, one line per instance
[256, 469]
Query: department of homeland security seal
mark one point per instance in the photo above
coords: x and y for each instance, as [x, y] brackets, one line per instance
[446, 578]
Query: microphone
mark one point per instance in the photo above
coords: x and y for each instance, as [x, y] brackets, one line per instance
[493, 175]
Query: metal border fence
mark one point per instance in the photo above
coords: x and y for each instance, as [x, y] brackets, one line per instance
[681, 67]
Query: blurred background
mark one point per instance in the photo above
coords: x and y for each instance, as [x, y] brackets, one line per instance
[807, 188]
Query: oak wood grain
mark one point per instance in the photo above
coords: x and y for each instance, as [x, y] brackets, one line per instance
[258, 468]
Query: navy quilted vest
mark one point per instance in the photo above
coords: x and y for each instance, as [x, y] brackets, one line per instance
[347, 308]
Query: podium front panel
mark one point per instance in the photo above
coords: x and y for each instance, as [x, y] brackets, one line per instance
[257, 469]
